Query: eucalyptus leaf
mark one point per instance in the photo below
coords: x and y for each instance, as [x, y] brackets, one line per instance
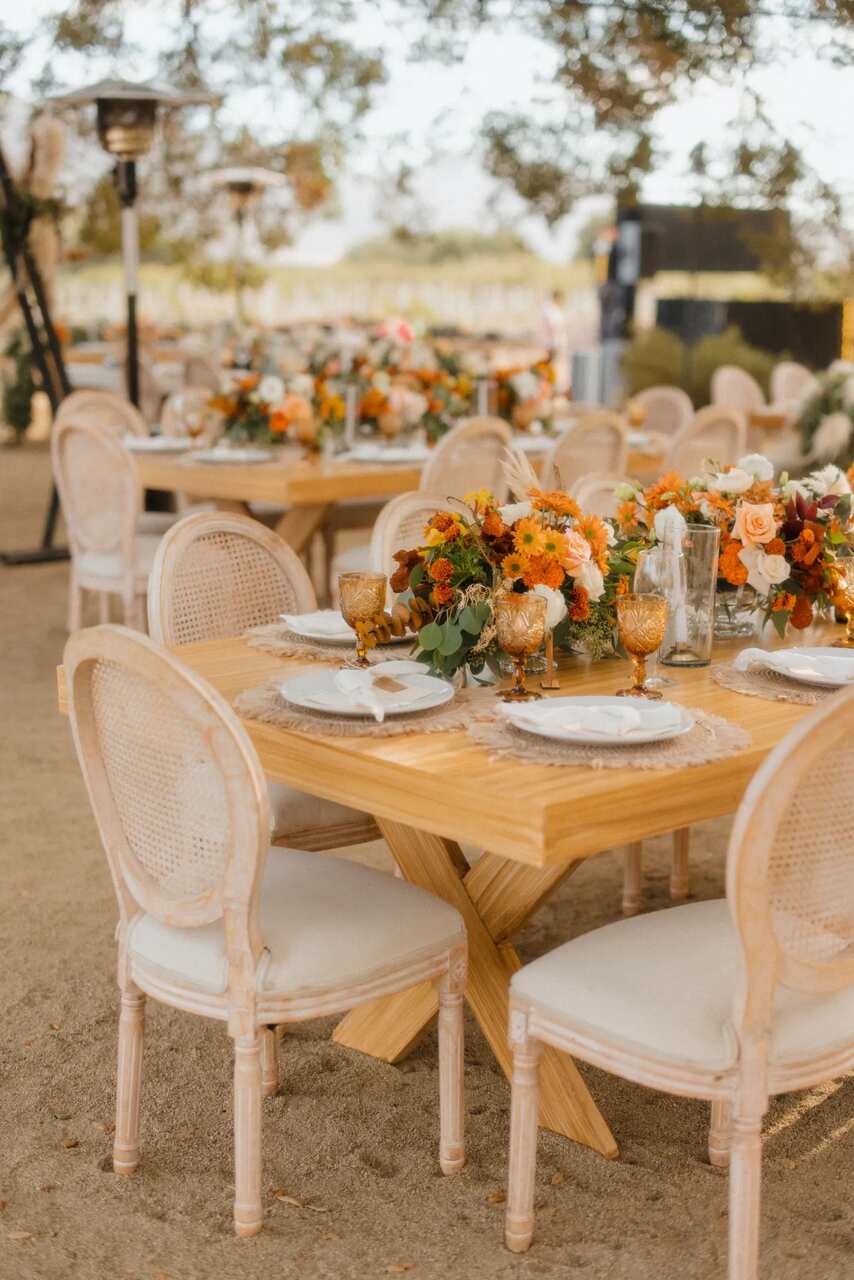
[430, 637]
[451, 641]
[468, 620]
[416, 575]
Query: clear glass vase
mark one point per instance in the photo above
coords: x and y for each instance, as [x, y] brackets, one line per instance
[735, 616]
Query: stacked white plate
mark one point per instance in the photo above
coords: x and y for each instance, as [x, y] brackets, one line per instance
[230, 456]
[399, 454]
[157, 444]
[829, 668]
[606, 720]
[328, 627]
[357, 692]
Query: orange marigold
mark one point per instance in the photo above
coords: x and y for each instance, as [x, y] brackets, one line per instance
[579, 607]
[554, 500]
[493, 525]
[665, 491]
[784, 602]
[441, 570]
[278, 422]
[543, 571]
[441, 595]
[776, 547]
[802, 613]
[729, 565]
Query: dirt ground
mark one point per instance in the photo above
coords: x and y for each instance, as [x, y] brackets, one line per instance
[352, 1139]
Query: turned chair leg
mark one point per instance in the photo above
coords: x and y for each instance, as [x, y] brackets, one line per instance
[451, 1044]
[247, 1134]
[129, 1080]
[745, 1177]
[524, 1111]
[632, 879]
[103, 606]
[75, 604]
[679, 866]
[269, 1062]
[719, 1131]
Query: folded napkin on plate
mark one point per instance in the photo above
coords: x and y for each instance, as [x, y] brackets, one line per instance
[791, 662]
[360, 689]
[327, 623]
[607, 720]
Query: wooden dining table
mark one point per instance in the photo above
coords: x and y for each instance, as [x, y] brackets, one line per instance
[308, 487]
[432, 793]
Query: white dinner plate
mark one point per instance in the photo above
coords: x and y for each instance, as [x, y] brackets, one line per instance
[817, 664]
[316, 691]
[230, 456]
[327, 626]
[399, 454]
[586, 719]
[157, 444]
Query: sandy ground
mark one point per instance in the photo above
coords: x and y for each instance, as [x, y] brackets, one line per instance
[353, 1139]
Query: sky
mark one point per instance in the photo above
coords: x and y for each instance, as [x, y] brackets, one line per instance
[439, 108]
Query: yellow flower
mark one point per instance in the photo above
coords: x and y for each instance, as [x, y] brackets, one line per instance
[480, 499]
[528, 537]
[514, 565]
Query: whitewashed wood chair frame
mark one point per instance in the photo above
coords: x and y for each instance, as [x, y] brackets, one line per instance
[716, 433]
[790, 381]
[790, 893]
[594, 493]
[191, 853]
[734, 388]
[215, 575]
[101, 502]
[202, 371]
[469, 458]
[105, 409]
[594, 443]
[668, 409]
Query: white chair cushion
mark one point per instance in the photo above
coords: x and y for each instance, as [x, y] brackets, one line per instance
[109, 565]
[326, 923]
[663, 984]
[294, 810]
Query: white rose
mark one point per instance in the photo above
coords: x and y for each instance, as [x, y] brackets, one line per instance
[271, 389]
[611, 532]
[736, 481]
[763, 571]
[829, 480]
[669, 524]
[757, 465]
[589, 576]
[381, 381]
[795, 489]
[555, 604]
[515, 511]
[833, 435]
[303, 385]
[526, 385]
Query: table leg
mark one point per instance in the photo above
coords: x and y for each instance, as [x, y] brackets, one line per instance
[390, 1027]
[232, 504]
[299, 525]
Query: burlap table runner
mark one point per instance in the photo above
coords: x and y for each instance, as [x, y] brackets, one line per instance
[761, 682]
[711, 738]
[276, 637]
[265, 703]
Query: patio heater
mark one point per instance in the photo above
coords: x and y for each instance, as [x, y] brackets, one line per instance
[126, 116]
[245, 185]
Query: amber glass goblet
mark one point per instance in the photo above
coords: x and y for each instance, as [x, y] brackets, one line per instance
[641, 620]
[520, 625]
[844, 601]
[362, 597]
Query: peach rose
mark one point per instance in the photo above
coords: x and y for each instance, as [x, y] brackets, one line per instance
[754, 523]
[577, 552]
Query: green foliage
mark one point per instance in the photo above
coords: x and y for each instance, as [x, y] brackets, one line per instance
[100, 230]
[831, 398]
[18, 389]
[657, 356]
[437, 247]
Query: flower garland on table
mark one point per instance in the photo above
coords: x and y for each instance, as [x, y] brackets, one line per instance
[266, 410]
[545, 544]
[825, 422]
[783, 539]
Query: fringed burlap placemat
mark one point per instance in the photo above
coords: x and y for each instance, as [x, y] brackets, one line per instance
[267, 704]
[761, 682]
[276, 637]
[710, 739]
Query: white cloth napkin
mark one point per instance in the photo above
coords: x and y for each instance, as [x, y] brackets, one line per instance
[327, 624]
[790, 662]
[606, 720]
[359, 688]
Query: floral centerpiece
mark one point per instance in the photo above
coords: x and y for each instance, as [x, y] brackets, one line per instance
[251, 409]
[525, 396]
[783, 539]
[825, 421]
[544, 544]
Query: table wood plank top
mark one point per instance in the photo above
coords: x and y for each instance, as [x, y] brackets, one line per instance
[536, 814]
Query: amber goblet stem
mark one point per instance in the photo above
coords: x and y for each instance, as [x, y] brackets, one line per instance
[847, 641]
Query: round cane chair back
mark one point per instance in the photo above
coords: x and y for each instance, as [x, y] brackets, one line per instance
[469, 458]
[790, 868]
[177, 791]
[200, 371]
[667, 409]
[596, 495]
[595, 442]
[98, 487]
[106, 409]
[216, 575]
[735, 388]
[791, 381]
[715, 433]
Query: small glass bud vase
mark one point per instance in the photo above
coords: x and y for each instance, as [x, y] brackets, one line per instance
[735, 616]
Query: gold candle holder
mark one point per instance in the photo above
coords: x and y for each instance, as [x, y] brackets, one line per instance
[844, 601]
[520, 624]
[641, 619]
[362, 597]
